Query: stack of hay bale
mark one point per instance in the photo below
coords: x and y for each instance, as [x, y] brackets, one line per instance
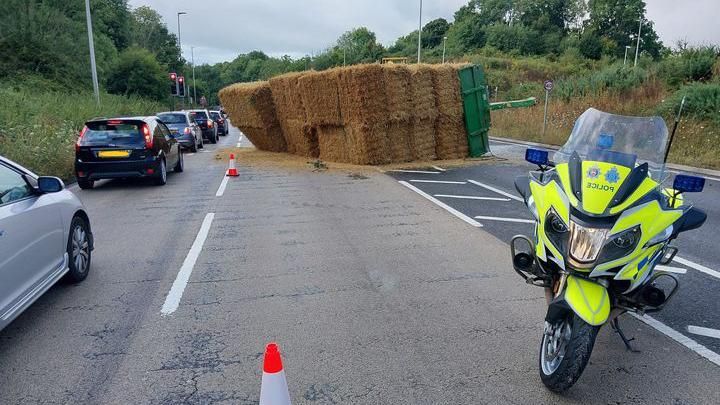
[364, 114]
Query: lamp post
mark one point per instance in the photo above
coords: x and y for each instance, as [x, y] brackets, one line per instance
[637, 46]
[444, 46]
[192, 56]
[420, 33]
[626, 51]
[180, 43]
[93, 67]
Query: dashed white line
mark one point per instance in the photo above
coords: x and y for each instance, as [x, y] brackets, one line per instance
[471, 197]
[680, 338]
[698, 267]
[443, 205]
[707, 332]
[502, 219]
[172, 301]
[438, 181]
[501, 192]
[438, 168]
[221, 189]
[415, 171]
[670, 269]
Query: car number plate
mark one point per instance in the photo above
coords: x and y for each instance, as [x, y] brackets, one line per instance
[174, 131]
[113, 153]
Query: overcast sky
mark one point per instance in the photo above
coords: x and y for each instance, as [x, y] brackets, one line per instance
[221, 29]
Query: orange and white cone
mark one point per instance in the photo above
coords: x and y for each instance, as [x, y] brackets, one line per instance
[274, 389]
[232, 171]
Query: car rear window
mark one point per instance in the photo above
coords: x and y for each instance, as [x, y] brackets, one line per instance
[173, 118]
[201, 115]
[214, 115]
[107, 134]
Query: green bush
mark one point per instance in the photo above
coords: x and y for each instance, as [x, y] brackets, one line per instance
[138, 73]
[691, 64]
[702, 101]
[615, 78]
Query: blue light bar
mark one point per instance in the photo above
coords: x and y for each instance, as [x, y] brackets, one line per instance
[537, 156]
[688, 184]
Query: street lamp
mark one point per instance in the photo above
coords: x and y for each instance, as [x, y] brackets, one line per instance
[192, 56]
[444, 45]
[179, 43]
[420, 33]
[626, 51]
[637, 46]
[93, 67]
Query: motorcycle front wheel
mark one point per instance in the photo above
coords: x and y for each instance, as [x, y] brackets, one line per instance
[565, 351]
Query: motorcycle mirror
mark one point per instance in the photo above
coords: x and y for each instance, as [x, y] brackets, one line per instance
[688, 184]
[537, 156]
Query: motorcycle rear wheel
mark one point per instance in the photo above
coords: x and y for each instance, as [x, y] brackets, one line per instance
[565, 350]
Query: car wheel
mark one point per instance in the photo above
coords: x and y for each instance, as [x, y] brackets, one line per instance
[194, 147]
[214, 138]
[202, 143]
[180, 165]
[86, 184]
[78, 249]
[161, 178]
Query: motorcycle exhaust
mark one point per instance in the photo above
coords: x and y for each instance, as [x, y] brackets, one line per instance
[653, 295]
[524, 261]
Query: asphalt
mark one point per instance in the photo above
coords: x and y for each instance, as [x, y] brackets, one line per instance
[374, 294]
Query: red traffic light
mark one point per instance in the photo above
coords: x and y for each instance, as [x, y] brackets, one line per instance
[173, 76]
[181, 79]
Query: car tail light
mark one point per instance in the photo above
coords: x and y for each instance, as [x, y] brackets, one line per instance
[114, 122]
[148, 137]
[187, 130]
[210, 124]
[82, 133]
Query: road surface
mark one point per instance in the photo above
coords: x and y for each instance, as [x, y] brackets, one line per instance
[374, 294]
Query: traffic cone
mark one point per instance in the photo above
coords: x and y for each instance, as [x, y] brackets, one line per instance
[232, 171]
[274, 389]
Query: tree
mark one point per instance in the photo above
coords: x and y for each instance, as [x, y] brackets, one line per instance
[590, 45]
[360, 45]
[433, 32]
[150, 32]
[138, 73]
[466, 34]
[618, 21]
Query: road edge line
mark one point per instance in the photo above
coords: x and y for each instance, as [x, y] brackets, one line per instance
[172, 300]
[698, 267]
[442, 205]
[497, 190]
[223, 185]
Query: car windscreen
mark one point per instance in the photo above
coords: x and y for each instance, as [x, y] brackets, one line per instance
[214, 115]
[173, 118]
[115, 134]
[201, 115]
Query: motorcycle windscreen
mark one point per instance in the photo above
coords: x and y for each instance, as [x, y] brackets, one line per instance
[590, 301]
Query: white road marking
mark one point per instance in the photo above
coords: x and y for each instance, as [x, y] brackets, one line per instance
[670, 269]
[438, 168]
[221, 189]
[471, 197]
[491, 188]
[188, 154]
[172, 301]
[415, 171]
[438, 181]
[680, 338]
[698, 267]
[502, 219]
[443, 205]
[707, 332]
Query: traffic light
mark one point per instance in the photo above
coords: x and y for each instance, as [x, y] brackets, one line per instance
[174, 83]
[181, 86]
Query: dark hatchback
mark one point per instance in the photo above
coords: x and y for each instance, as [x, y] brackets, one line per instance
[183, 127]
[125, 148]
[220, 121]
[206, 124]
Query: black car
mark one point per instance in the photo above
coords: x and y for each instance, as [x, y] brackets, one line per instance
[206, 124]
[221, 122]
[183, 127]
[124, 148]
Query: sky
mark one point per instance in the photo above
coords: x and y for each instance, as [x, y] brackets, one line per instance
[219, 30]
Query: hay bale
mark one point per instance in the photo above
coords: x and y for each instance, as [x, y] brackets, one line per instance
[399, 137]
[446, 89]
[299, 138]
[287, 96]
[319, 92]
[423, 139]
[362, 94]
[332, 143]
[450, 138]
[368, 144]
[397, 89]
[421, 91]
[251, 107]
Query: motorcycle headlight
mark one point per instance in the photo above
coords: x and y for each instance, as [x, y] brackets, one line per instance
[585, 243]
[556, 231]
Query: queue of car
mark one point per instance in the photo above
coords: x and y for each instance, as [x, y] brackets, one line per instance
[45, 232]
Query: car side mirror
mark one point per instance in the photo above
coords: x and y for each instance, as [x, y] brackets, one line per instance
[688, 184]
[49, 184]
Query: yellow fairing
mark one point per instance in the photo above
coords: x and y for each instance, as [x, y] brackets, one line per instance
[546, 197]
[590, 301]
[563, 172]
[600, 183]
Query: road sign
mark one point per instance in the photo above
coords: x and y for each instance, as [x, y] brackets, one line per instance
[548, 85]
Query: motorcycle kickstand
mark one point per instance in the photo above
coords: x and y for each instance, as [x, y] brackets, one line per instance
[616, 327]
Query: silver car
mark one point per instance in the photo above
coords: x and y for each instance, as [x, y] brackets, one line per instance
[44, 235]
